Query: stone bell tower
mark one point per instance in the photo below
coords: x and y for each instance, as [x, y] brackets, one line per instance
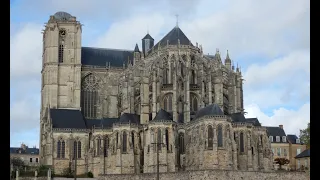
[61, 64]
[61, 67]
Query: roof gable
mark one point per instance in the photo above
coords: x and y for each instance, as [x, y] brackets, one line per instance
[162, 115]
[67, 118]
[173, 36]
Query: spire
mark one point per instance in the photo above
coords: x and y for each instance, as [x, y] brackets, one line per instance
[136, 49]
[177, 23]
[228, 55]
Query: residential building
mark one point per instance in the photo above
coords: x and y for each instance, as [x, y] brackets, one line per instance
[296, 147]
[303, 160]
[30, 156]
[279, 143]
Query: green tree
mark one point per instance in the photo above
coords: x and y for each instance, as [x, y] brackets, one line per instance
[305, 136]
[17, 162]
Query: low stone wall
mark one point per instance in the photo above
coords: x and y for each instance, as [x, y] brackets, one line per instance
[213, 175]
[57, 178]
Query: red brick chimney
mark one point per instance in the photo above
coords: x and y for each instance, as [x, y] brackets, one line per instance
[281, 126]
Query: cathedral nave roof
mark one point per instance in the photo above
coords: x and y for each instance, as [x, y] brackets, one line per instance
[211, 110]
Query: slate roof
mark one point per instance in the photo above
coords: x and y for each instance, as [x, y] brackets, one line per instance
[67, 118]
[276, 131]
[147, 37]
[136, 49]
[173, 36]
[305, 153]
[129, 118]
[162, 115]
[100, 56]
[15, 150]
[62, 15]
[255, 121]
[212, 109]
[238, 117]
[292, 139]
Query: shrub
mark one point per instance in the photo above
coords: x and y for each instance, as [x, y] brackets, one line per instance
[89, 174]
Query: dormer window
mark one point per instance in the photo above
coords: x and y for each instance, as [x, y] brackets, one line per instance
[277, 138]
[297, 141]
[271, 138]
[284, 139]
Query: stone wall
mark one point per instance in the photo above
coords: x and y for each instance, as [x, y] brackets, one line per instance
[213, 175]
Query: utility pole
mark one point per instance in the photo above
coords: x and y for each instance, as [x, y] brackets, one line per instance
[158, 144]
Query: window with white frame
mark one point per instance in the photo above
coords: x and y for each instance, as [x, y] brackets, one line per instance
[284, 152]
[298, 164]
[279, 152]
[306, 163]
[284, 139]
[278, 138]
[271, 138]
[273, 151]
[297, 141]
[298, 151]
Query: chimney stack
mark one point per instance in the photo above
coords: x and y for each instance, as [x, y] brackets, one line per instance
[281, 126]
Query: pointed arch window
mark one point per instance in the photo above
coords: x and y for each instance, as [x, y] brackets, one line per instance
[220, 136]
[159, 137]
[241, 142]
[61, 149]
[193, 77]
[167, 139]
[98, 146]
[181, 143]
[167, 103]
[132, 139]
[124, 142]
[210, 137]
[165, 75]
[77, 149]
[106, 146]
[89, 96]
[193, 103]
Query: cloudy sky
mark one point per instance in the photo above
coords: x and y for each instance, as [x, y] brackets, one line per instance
[270, 40]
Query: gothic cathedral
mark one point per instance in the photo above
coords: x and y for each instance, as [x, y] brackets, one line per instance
[120, 111]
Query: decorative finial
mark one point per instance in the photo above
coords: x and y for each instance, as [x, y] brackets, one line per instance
[177, 24]
[227, 55]
[147, 28]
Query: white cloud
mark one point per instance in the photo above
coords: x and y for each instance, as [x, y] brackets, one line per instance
[24, 115]
[26, 51]
[291, 120]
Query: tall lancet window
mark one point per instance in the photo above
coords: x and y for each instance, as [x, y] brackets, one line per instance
[193, 103]
[159, 139]
[167, 103]
[77, 149]
[193, 77]
[89, 97]
[167, 139]
[62, 34]
[241, 142]
[220, 138]
[210, 137]
[124, 142]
